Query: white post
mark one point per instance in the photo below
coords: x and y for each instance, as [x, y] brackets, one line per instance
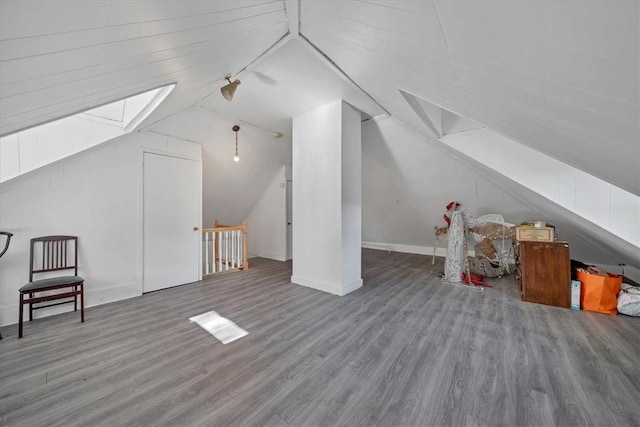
[219, 251]
[240, 259]
[226, 250]
[233, 249]
[240, 252]
[206, 253]
[327, 173]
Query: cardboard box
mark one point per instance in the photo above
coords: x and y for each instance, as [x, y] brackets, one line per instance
[531, 233]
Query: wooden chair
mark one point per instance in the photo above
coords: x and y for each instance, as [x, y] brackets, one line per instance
[50, 254]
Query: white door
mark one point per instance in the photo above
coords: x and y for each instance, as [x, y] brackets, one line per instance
[172, 217]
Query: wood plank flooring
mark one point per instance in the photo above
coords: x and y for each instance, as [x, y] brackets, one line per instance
[405, 349]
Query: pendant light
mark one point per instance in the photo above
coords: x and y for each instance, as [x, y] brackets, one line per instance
[236, 157]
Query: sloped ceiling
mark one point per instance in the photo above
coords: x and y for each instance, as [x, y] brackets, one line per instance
[559, 76]
[62, 57]
[562, 77]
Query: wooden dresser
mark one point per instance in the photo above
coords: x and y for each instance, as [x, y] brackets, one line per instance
[544, 272]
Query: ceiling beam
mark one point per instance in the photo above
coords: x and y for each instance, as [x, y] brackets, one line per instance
[250, 66]
[326, 60]
[293, 15]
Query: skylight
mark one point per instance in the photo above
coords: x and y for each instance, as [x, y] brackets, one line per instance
[32, 148]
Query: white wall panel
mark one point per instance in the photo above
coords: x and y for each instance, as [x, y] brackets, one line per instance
[592, 199]
[9, 157]
[566, 191]
[29, 158]
[94, 195]
[624, 214]
[54, 142]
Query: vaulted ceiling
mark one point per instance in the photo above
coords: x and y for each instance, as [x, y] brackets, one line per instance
[559, 76]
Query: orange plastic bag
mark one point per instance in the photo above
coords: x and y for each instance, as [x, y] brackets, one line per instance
[599, 293]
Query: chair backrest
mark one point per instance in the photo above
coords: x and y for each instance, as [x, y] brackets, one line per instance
[53, 253]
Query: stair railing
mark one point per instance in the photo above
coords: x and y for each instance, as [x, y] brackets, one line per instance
[225, 248]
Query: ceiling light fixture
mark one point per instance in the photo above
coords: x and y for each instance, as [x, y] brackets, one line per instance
[236, 157]
[229, 89]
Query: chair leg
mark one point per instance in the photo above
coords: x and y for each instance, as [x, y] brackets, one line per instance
[82, 302]
[75, 299]
[30, 308]
[21, 309]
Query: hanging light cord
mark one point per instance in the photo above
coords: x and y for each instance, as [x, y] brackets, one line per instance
[236, 158]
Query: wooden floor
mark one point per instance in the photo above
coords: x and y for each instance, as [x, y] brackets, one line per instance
[405, 349]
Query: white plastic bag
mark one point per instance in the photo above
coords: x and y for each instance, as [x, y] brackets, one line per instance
[629, 300]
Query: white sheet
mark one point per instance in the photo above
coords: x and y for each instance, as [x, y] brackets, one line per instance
[220, 327]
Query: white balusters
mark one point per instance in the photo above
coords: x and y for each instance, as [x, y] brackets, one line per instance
[224, 248]
[207, 265]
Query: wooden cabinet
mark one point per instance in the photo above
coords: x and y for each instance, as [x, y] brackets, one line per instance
[544, 271]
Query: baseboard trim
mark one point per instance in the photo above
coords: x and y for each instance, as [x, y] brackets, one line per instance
[331, 288]
[409, 249]
[277, 256]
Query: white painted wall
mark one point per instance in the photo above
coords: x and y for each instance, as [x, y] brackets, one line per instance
[30, 149]
[95, 195]
[268, 221]
[326, 240]
[231, 189]
[408, 180]
[406, 184]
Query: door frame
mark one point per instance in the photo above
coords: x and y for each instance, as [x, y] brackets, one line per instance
[140, 223]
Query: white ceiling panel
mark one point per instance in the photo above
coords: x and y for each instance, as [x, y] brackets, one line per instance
[580, 69]
[562, 77]
[417, 60]
[533, 62]
[123, 49]
[290, 82]
[21, 19]
[594, 26]
[588, 127]
[557, 92]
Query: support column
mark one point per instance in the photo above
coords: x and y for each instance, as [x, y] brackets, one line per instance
[327, 199]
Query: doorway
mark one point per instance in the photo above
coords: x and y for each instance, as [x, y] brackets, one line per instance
[172, 217]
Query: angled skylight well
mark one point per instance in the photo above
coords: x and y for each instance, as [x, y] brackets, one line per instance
[441, 122]
[617, 210]
[24, 151]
